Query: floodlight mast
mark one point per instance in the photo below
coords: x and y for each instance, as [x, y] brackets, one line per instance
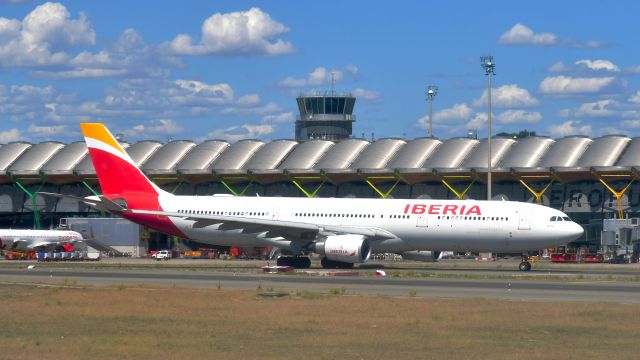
[432, 91]
[489, 66]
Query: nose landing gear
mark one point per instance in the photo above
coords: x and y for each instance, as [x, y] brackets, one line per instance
[525, 265]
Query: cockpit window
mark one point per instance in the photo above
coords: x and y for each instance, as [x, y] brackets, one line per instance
[553, 218]
[566, 218]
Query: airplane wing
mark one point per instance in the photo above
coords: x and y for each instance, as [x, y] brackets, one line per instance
[39, 243]
[98, 202]
[291, 230]
[89, 200]
[35, 244]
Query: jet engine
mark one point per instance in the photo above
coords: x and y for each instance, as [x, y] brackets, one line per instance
[344, 248]
[422, 255]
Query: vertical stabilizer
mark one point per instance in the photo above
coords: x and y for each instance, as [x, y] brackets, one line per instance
[119, 176]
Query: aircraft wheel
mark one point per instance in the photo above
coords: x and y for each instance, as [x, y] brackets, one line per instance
[284, 261]
[327, 264]
[303, 263]
[524, 266]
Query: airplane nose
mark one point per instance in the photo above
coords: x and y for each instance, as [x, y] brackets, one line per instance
[576, 231]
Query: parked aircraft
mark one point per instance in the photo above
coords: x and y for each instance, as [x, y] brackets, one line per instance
[343, 231]
[14, 239]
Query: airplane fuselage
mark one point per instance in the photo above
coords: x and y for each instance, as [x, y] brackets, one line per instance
[417, 224]
[25, 239]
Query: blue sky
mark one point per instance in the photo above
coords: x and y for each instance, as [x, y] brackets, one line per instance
[232, 69]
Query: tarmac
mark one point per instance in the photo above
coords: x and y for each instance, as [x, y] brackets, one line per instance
[446, 279]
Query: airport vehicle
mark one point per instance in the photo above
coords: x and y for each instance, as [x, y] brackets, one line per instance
[342, 231]
[15, 239]
[162, 255]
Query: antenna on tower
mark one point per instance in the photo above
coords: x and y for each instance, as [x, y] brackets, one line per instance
[333, 83]
[432, 91]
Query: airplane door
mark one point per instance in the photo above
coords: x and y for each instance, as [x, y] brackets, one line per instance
[422, 221]
[524, 222]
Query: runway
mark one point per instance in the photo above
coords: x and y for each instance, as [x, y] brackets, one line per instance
[512, 289]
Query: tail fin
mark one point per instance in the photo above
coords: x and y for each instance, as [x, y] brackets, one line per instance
[119, 176]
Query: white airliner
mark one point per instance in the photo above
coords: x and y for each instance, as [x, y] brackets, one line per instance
[342, 231]
[15, 239]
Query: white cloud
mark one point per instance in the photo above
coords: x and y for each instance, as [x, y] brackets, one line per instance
[80, 74]
[147, 99]
[319, 76]
[154, 128]
[251, 32]
[322, 76]
[28, 102]
[367, 95]
[246, 131]
[13, 1]
[293, 83]
[43, 36]
[635, 69]
[507, 96]
[596, 109]
[210, 93]
[635, 98]
[128, 56]
[520, 34]
[352, 69]
[248, 100]
[478, 121]
[10, 135]
[558, 67]
[261, 110]
[571, 85]
[454, 114]
[633, 124]
[279, 118]
[570, 127]
[599, 65]
[519, 116]
[46, 131]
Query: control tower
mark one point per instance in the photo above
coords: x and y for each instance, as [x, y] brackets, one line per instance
[326, 116]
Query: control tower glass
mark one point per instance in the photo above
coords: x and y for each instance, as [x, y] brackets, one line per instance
[325, 116]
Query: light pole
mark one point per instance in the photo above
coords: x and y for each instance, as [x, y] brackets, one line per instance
[432, 91]
[489, 66]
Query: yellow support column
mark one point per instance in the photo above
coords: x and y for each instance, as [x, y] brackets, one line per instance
[383, 194]
[617, 194]
[312, 193]
[537, 194]
[460, 194]
[225, 181]
[296, 181]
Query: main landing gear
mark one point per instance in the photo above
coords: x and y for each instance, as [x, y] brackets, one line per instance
[331, 264]
[525, 265]
[298, 262]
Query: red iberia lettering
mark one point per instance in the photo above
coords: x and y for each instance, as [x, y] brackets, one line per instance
[419, 209]
[442, 209]
[434, 209]
[475, 209]
[448, 208]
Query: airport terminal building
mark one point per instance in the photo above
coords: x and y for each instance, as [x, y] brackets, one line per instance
[589, 179]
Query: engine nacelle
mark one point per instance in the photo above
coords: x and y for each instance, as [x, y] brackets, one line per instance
[422, 255]
[344, 248]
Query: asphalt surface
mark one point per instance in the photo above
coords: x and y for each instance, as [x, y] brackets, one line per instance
[544, 288]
